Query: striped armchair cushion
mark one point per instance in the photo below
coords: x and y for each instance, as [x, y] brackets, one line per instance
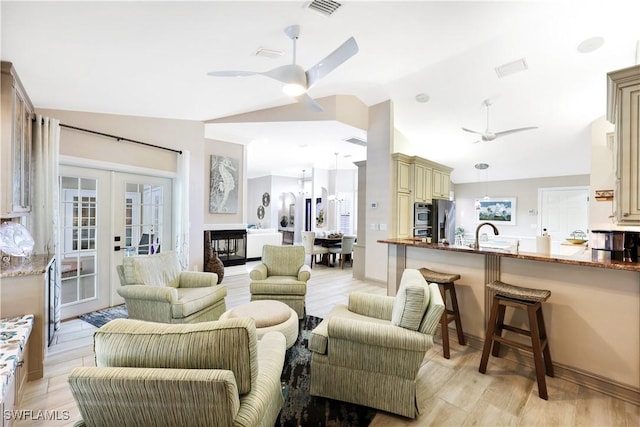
[283, 260]
[411, 301]
[161, 269]
[229, 344]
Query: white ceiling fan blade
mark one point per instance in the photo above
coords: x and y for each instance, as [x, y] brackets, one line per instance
[288, 74]
[232, 73]
[345, 51]
[510, 131]
[309, 102]
[472, 131]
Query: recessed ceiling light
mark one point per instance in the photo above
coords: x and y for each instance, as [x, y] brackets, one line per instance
[481, 166]
[422, 97]
[589, 45]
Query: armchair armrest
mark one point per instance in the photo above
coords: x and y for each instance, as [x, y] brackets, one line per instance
[375, 334]
[259, 272]
[304, 274]
[149, 293]
[197, 279]
[371, 305]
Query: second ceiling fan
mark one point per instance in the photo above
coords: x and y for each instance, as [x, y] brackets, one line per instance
[487, 135]
[296, 80]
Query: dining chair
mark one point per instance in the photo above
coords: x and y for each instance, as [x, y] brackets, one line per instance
[308, 239]
[344, 250]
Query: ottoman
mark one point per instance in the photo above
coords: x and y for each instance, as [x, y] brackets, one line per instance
[269, 316]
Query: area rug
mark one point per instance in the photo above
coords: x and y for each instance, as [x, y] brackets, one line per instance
[100, 317]
[301, 409]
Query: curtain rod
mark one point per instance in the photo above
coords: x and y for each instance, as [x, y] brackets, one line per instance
[118, 138]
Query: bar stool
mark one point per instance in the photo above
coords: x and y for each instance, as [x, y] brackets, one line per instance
[446, 284]
[529, 300]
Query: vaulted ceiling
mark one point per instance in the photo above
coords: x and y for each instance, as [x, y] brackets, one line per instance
[152, 58]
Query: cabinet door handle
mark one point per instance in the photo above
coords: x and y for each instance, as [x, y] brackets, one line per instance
[625, 215]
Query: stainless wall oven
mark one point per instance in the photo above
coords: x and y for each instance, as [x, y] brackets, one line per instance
[421, 215]
[422, 224]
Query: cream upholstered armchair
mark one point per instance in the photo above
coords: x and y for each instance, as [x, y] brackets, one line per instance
[156, 289]
[282, 276]
[369, 351]
[206, 374]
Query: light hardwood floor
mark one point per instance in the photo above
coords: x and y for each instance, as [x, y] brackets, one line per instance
[450, 392]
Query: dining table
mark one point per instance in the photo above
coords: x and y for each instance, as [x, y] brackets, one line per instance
[327, 242]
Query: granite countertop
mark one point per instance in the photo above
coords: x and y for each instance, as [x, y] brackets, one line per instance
[23, 267]
[583, 258]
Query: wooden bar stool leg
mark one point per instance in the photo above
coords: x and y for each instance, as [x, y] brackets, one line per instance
[537, 350]
[456, 313]
[498, 327]
[489, 336]
[546, 352]
[444, 323]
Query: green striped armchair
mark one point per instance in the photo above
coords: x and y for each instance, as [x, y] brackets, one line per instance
[155, 288]
[206, 374]
[369, 351]
[282, 276]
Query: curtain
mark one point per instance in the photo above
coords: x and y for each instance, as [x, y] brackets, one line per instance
[181, 215]
[45, 200]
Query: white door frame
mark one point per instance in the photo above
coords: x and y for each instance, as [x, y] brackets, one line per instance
[116, 257]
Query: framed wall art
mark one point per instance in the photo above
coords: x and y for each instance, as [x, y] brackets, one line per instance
[500, 211]
[223, 184]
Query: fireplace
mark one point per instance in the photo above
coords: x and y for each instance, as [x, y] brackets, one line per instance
[231, 246]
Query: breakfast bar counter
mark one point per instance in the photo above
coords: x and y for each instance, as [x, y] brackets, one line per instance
[592, 316]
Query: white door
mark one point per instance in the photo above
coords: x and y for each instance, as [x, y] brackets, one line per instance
[102, 213]
[85, 196]
[142, 222]
[563, 210]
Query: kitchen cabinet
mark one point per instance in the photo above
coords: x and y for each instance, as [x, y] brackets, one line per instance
[15, 142]
[402, 220]
[623, 110]
[441, 184]
[416, 180]
[403, 176]
[423, 178]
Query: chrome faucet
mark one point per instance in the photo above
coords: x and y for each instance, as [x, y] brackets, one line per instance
[476, 244]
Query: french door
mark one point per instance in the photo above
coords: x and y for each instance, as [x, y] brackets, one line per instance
[103, 215]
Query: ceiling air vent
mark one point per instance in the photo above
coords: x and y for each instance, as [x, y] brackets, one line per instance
[511, 68]
[325, 7]
[357, 141]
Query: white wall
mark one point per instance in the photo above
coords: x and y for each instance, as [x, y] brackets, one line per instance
[526, 193]
[602, 174]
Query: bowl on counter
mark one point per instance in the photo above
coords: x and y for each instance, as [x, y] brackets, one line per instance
[576, 241]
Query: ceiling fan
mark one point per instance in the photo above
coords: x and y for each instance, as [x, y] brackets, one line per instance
[296, 80]
[487, 135]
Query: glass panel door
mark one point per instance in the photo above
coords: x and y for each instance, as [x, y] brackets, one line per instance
[142, 219]
[84, 241]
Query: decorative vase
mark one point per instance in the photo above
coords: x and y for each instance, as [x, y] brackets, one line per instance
[284, 222]
[215, 265]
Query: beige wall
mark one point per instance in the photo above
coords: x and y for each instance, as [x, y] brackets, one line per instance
[175, 134]
[379, 149]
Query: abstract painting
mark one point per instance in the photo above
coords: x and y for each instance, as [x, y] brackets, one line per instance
[223, 185]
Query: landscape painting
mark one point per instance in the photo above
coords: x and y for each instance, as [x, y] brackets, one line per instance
[223, 185]
[498, 210]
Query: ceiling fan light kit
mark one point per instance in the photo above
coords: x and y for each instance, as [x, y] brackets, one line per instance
[296, 80]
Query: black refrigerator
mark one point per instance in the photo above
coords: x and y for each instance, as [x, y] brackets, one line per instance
[443, 217]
